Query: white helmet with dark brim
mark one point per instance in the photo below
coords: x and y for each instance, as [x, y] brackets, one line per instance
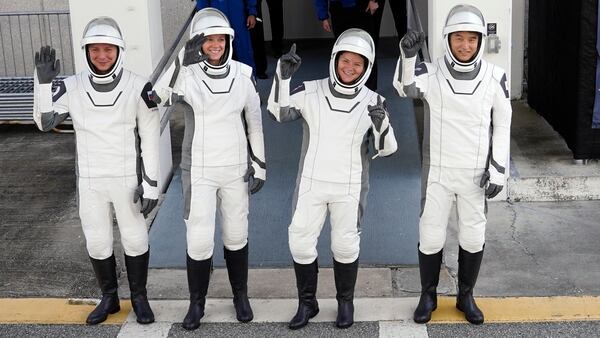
[464, 18]
[103, 30]
[210, 21]
[356, 41]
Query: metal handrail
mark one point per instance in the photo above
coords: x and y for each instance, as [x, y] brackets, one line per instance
[165, 58]
[417, 17]
[34, 13]
[163, 63]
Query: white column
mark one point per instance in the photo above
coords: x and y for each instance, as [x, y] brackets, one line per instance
[141, 26]
[497, 11]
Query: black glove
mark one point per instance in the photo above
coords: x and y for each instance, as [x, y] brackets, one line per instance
[256, 183]
[46, 65]
[377, 113]
[193, 50]
[147, 204]
[412, 42]
[289, 63]
[491, 189]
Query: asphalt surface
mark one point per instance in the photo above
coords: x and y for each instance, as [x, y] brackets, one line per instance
[361, 329]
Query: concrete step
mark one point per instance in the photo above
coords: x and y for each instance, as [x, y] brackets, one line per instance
[542, 166]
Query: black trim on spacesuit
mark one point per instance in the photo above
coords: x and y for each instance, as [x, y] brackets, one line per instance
[216, 76]
[364, 181]
[303, 151]
[466, 76]
[149, 103]
[151, 182]
[457, 93]
[498, 167]
[186, 184]
[382, 138]
[339, 110]
[420, 69]
[298, 89]
[339, 95]
[188, 135]
[276, 99]
[225, 92]
[106, 87]
[503, 85]
[104, 105]
[138, 155]
[61, 90]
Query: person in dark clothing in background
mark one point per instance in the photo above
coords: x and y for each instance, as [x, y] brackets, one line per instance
[242, 16]
[276, 17]
[339, 15]
[257, 35]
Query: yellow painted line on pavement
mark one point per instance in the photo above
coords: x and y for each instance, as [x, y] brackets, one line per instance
[53, 311]
[523, 309]
[495, 309]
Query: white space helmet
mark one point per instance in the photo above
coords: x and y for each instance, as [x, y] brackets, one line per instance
[464, 18]
[357, 41]
[209, 21]
[103, 30]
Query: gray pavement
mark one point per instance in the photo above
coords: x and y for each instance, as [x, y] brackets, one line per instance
[53, 331]
[325, 329]
[572, 329]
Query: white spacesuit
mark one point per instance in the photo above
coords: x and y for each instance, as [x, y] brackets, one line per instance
[222, 149]
[334, 162]
[465, 149]
[117, 131]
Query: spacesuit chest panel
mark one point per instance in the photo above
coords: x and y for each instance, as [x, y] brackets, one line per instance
[106, 110]
[105, 125]
[216, 86]
[219, 135]
[460, 119]
[337, 129]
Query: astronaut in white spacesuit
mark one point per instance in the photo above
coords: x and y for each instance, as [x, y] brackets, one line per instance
[222, 154]
[341, 119]
[117, 132]
[465, 149]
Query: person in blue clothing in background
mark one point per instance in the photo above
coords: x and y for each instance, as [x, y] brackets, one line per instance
[242, 17]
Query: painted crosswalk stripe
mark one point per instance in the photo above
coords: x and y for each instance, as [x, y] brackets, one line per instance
[404, 329]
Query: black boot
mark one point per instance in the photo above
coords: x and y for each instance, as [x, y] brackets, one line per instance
[137, 275]
[306, 281]
[429, 268]
[198, 273]
[468, 269]
[237, 269]
[106, 274]
[345, 280]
